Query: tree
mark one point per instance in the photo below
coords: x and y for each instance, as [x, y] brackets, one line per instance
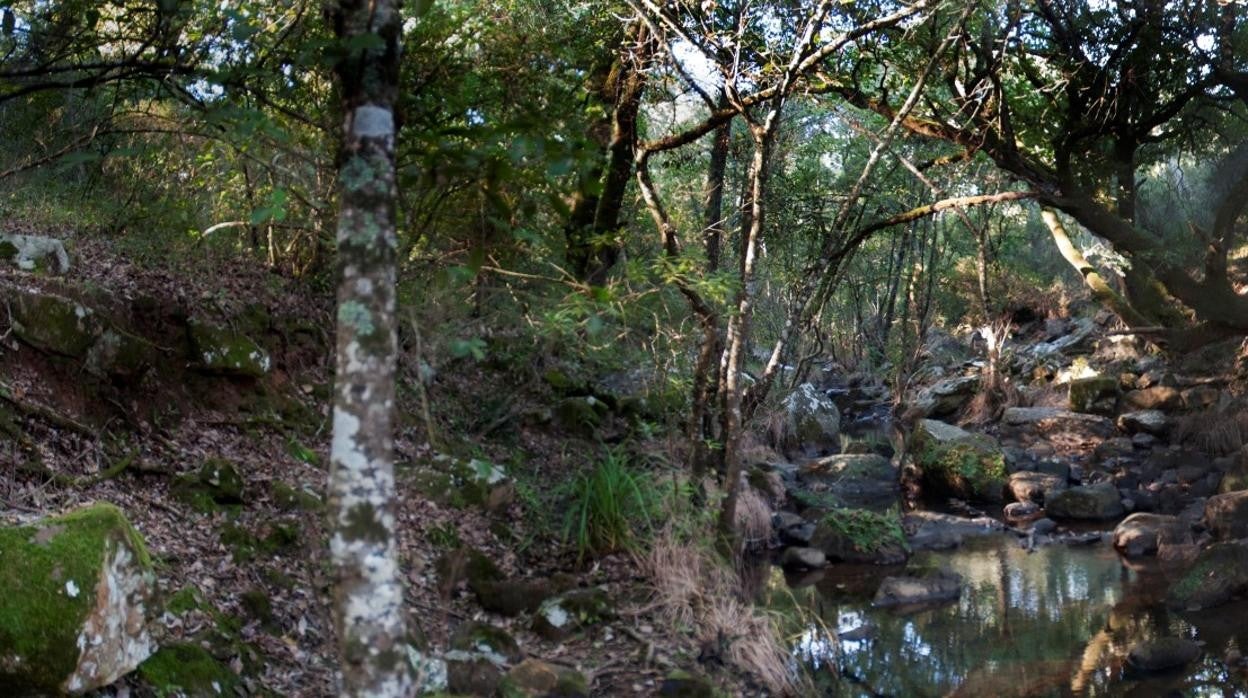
[368, 594]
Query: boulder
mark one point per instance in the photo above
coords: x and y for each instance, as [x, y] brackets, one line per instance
[863, 480]
[34, 252]
[1051, 420]
[1226, 515]
[930, 530]
[1163, 653]
[800, 558]
[73, 615]
[1091, 502]
[1142, 533]
[959, 463]
[223, 351]
[55, 324]
[1035, 487]
[860, 535]
[1152, 422]
[946, 397]
[1093, 394]
[911, 590]
[533, 677]
[559, 617]
[1021, 512]
[1158, 397]
[1218, 573]
[811, 422]
[1200, 397]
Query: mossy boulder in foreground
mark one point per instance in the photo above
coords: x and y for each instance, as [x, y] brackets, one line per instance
[959, 463]
[73, 596]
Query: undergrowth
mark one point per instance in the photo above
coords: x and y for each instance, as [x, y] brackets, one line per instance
[611, 508]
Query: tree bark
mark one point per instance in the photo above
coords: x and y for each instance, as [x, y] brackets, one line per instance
[368, 589]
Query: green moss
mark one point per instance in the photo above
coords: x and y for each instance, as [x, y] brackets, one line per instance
[216, 484]
[219, 350]
[185, 600]
[8, 250]
[256, 604]
[974, 468]
[246, 546]
[868, 531]
[39, 616]
[54, 324]
[187, 670]
[290, 499]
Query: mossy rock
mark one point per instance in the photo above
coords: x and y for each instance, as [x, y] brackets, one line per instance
[959, 463]
[466, 565]
[1217, 575]
[74, 609]
[184, 601]
[288, 498]
[559, 617]
[257, 605]
[55, 325]
[861, 535]
[487, 639]
[462, 484]
[246, 546]
[1094, 394]
[119, 354]
[533, 677]
[216, 483]
[183, 670]
[223, 351]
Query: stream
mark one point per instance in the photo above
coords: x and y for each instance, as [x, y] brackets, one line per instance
[1057, 621]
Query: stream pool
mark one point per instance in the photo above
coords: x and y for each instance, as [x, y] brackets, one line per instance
[1057, 621]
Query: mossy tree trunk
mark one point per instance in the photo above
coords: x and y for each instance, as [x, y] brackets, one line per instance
[368, 591]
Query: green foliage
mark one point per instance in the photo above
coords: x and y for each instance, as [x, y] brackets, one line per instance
[868, 531]
[610, 508]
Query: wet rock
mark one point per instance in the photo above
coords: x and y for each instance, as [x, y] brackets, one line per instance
[1141, 534]
[959, 463]
[811, 422]
[34, 253]
[1093, 394]
[1226, 515]
[74, 604]
[1158, 397]
[559, 617]
[929, 530]
[1218, 573]
[1051, 420]
[1163, 653]
[1035, 487]
[1152, 422]
[800, 558]
[860, 480]
[1091, 502]
[911, 591]
[860, 535]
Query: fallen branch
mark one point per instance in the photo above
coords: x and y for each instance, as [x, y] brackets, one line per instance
[47, 414]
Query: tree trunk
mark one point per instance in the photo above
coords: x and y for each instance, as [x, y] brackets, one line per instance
[368, 591]
[713, 214]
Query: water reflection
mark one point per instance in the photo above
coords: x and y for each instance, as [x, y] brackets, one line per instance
[1055, 622]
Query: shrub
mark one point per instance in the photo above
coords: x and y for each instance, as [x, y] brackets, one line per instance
[610, 506]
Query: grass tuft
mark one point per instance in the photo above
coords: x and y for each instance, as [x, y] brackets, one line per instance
[611, 508]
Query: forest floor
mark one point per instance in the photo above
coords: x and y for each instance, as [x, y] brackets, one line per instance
[255, 568]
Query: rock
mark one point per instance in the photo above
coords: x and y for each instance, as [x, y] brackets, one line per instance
[1035, 487]
[947, 396]
[860, 480]
[185, 669]
[1093, 394]
[1236, 476]
[216, 483]
[959, 463]
[799, 558]
[1226, 515]
[55, 324]
[1143, 441]
[1080, 340]
[1021, 511]
[471, 673]
[1110, 449]
[495, 643]
[910, 591]
[533, 678]
[559, 617]
[34, 252]
[1152, 422]
[682, 684]
[811, 422]
[1158, 397]
[1163, 653]
[1200, 397]
[793, 529]
[929, 530]
[1093, 502]
[1218, 573]
[73, 611]
[860, 535]
[1051, 420]
[1043, 527]
[224, 351]
[1141, 533]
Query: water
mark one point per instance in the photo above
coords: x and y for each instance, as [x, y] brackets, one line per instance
[1055, 622]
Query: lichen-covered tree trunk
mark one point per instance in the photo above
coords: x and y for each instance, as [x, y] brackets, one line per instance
[368, 592]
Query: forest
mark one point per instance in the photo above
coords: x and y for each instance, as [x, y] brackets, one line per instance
[573, 348]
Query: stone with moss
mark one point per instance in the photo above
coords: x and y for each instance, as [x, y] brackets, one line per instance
[560, 617]
[464, 483]
[860, 480]
[1217, 575]
[223, 351]
[184, 670]
[533, 677]
[1093, 394]
[861, 535]
[288, 498]
[810, 422]
[34, 252]
[246, 545]
[490, 640]
[217, 482]
[73, 613]
[55, 324]
[959, 463]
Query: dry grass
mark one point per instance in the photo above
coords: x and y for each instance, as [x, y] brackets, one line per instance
[1218, 431]
[693, 590]
[752, 519]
